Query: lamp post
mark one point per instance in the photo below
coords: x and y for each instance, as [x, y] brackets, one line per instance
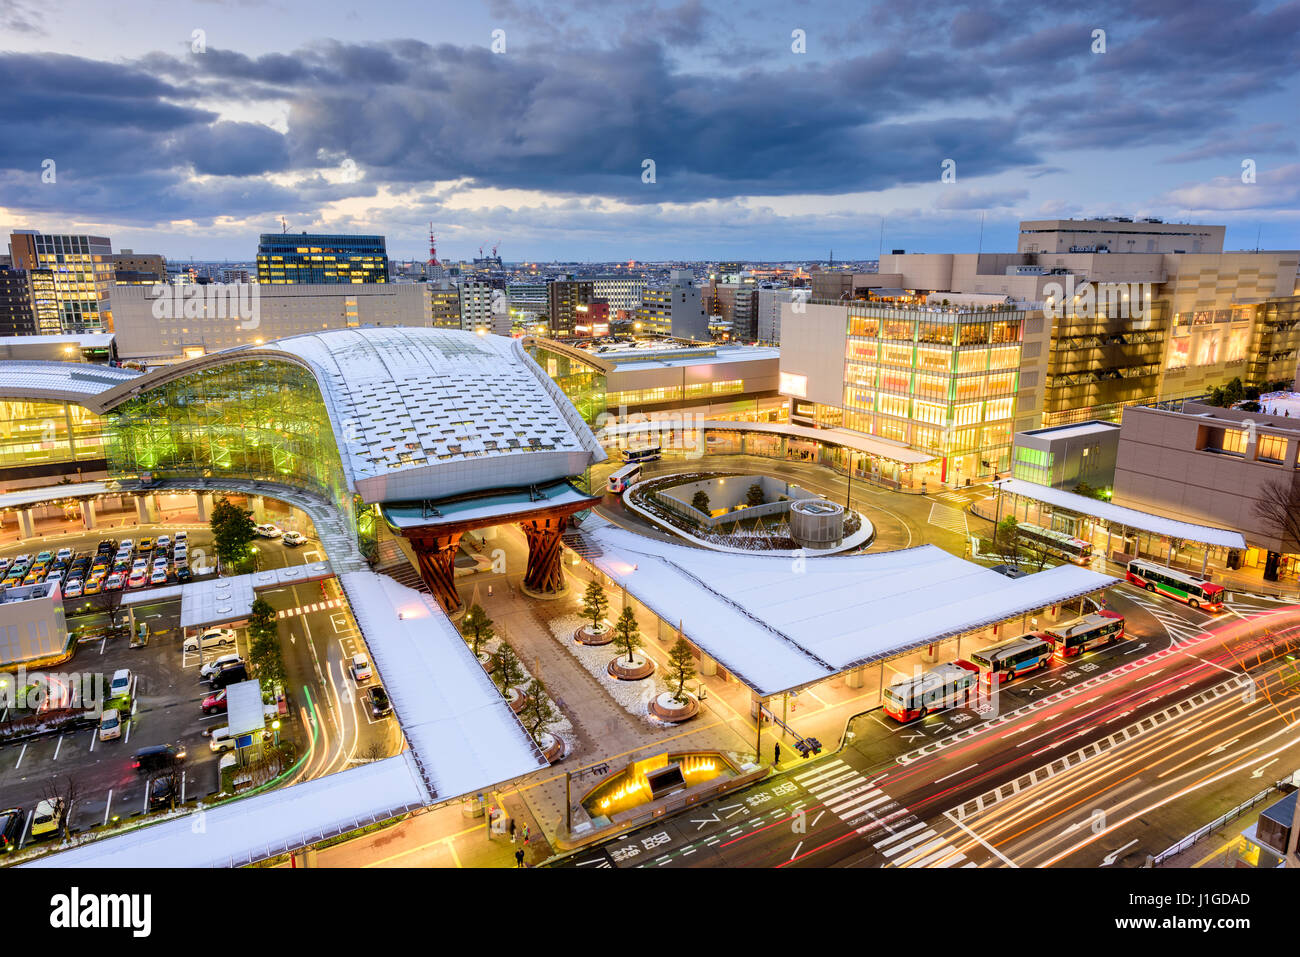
[275, 726]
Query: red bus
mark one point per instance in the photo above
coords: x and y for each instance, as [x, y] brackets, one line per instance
[1083, 634]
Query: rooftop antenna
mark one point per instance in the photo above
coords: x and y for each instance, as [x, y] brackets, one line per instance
[1258, 230]
[433, 247]
[284, 225]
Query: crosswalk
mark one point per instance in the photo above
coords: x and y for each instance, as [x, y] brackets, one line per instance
[308, 609]
[951, 496]
[911, 842]
[1181, 632]
[947, 517]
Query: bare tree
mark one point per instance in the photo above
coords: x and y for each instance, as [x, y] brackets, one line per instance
[65, 793]
[1278, 507]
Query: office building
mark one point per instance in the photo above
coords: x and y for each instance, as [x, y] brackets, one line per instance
[444, 305]
[17, 314]
[295, 259]
[1067, 456]
[623, 293]
[675, 309]
[71, 280]
[134, 268]
[1117, 234]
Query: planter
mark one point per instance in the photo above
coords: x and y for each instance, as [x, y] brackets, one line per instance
[585, 636]
[666, 709]
[552, 746]
[488, 662]
[639, 668]
[517, 700]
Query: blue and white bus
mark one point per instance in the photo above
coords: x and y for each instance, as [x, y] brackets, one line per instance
[1009, 659]
[642, 453]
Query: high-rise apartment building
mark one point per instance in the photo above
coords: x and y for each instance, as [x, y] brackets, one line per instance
[17, 316]
[623, 293]
[480, 309]
[444, 304]
[71, 280]
[565, 298]
[290, 259]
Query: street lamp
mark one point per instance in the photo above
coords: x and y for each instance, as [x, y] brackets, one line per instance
[275, 726]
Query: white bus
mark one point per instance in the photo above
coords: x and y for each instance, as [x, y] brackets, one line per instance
[946, 686]
[642, 453]
[1065, 546]
[624, 477]
[1012, 658]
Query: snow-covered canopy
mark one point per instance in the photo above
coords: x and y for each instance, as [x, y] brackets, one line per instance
[262, 826]
[780, 623]
[1117, 515]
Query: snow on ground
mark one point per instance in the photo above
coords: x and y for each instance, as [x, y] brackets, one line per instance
[563, 727]
[634, 697]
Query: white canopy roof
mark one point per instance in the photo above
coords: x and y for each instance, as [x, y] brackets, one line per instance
[857, 441]
[262, 826]
[779, 623]
[464, 735]
[58, 381]
[1119, 515]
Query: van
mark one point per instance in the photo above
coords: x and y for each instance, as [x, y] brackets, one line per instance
[110, 725]
[213, 638]
[212, 667]
[121, 683]
[228, 676]
[221, 739]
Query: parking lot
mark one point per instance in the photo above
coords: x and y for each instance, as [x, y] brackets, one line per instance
[165, 710]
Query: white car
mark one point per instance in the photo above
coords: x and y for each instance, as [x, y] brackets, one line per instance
[212, 638]
[110, 725]
[63, 555]
[181, 537]
[126, 545]
[212, 667]
[294, 538]
[121, 683]
[361, 669]
[269, 531]
[159, 576]
[162, 541]
[140, 564]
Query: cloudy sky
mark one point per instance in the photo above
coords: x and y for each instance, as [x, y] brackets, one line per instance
[777, 130]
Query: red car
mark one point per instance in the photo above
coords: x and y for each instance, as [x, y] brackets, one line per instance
[215, 703]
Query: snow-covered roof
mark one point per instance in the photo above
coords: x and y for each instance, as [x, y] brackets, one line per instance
[1120, 515]
[425, 413]
[58, 381]
[262, 826]
[463, 733]
[779, 623]
[49, 493]
[216, 601]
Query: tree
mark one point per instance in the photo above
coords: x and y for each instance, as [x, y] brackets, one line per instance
[539, 711]
[233, 530]
[264, 651]
[681, 667]
[754, 496]
[594, 604]
[476, 626]
[626, 634]
[509, 671]
[1278, 507]
[1006, 540]
[64, 791]
[701, 501]
[110, 603]
[1083, 488]
[1234, 391]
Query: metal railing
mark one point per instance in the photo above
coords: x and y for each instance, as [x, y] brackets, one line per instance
[1204, 831]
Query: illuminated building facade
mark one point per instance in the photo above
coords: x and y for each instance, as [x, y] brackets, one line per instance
[288, 259]
[72, 280]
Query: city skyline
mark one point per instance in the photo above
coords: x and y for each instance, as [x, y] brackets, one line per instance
[205, 138]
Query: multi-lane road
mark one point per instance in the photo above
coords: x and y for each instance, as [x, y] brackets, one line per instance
[1100, 762]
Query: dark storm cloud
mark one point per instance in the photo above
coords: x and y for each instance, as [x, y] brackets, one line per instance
[570, 111]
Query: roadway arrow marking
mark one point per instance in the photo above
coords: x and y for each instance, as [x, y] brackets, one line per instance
[1113, 856]
[1259, 771]
[1224, 746]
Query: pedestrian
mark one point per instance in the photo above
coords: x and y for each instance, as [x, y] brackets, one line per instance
[525, 835]
[776, 755]
[519, 857]
[512, 830]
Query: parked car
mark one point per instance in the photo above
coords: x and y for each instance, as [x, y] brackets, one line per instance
[162, 542]
[215, 703]
[121, 683]
[138, 578]
[228, 676]
[63, 555]
[145, 544]
[44, 558]
[47, 820]
[212, 667]
[379, 703]
[269, 531]
[294, 538]
[360, 669]
[114, 582]
[73, 588]
[110, 725]
[183, 573]
[94, 586]
[212, 638]
[126, 544]
[158, 576]
[159, 757]
[11, 829]
[162, 791]
[182, 536]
